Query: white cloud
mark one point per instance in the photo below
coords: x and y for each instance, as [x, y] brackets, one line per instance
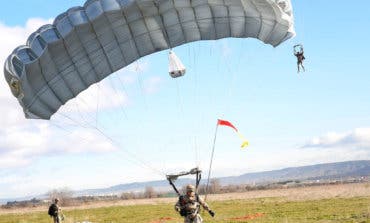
[103, 95]
[11, 38]
[23, 144]
[358, 138]
[22, 141]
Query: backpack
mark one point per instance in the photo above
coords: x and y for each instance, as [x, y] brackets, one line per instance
[53, 209]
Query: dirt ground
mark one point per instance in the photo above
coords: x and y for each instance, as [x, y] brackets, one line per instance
[290, 194]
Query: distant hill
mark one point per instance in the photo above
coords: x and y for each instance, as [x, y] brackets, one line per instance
[314, 172]
[341, 170]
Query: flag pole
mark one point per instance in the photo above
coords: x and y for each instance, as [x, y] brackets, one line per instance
[210, 163]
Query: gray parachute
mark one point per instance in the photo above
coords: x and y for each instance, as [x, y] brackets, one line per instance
[86, 44]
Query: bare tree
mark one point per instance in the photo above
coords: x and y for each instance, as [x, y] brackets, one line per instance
[64, 195]
[214, 186]
[128, 196]
[150, 192]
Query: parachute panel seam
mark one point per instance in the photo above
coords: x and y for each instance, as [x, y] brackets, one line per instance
[100, 44]
[85, 50]
[42, 91]
[213, 20]
[147, 29]
[180, 24]
[268, 37]
[75, 66]
[47, 84]
[196, 19]
[131, 37]
[260, 18]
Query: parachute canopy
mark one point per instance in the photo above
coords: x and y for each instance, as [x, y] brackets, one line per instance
[298, 48]
[86, 44]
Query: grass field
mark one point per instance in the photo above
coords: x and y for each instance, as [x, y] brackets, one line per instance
[345, 207]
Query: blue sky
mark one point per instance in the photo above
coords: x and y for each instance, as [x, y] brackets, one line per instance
[156, 124]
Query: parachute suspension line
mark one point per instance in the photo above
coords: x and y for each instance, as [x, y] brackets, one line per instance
[164, 30]
[179, 101]
[79, 124]
[141, 85]
[134, 158]
[231, 70]
[194, 51]
[80, 113]
[231, 82]
[97, 126]
[211, 162]
[67, 130]
[86, 122]
[81, 99]
[139, 161]
[122, 109]
[97, 104]
[182, 113]
[122, 85]
[101, 94]
[196, 102]
[88, 107]
[197, 160]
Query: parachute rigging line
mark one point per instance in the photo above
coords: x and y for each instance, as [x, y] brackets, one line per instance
[122, 109]
[210, 163]
[134, 158]
[97, 104]
[141, 85]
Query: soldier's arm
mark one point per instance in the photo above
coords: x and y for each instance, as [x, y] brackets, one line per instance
[206, 207]
[204, 204]
[178, 206]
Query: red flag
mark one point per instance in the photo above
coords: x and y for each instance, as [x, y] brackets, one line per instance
[226, 123]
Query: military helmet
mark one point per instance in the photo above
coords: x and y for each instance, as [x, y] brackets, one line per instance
[190, 188]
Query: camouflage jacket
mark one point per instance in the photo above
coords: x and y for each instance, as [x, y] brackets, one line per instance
[190, 205]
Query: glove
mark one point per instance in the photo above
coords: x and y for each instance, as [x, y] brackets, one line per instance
[212, 213]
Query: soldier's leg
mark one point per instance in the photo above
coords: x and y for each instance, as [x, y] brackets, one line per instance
[198, 219]
[187, 220]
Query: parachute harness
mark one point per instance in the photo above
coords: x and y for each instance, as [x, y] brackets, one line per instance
[173, 177]
[298, 48]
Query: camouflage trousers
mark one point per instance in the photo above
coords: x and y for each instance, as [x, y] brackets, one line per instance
[193, 219]
[57, 219]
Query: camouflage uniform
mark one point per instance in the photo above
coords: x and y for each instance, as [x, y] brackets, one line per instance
[57, 217]
[190, 204]
[300, 59]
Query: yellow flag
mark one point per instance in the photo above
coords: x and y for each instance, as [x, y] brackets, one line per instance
[245, 142]
[227, 123]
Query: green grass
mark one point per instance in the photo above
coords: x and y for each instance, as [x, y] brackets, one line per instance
[336, 210]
